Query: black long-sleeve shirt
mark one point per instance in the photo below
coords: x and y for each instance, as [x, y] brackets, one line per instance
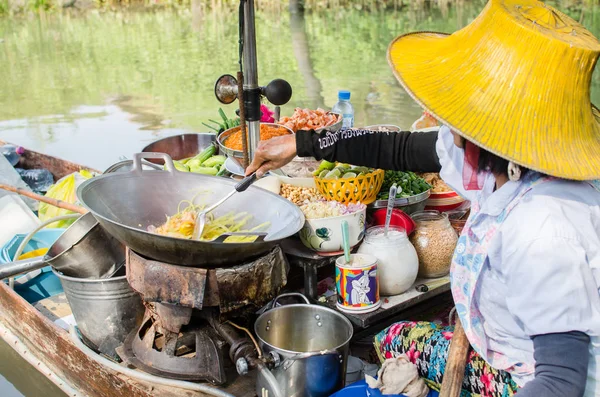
[561, 359]
[398, 151]
[561, 365]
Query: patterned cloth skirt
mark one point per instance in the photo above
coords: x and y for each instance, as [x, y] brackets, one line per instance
[426, 344]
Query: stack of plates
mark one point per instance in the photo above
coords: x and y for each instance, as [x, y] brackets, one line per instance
[233, 167]
[301, 182]
[443, 202]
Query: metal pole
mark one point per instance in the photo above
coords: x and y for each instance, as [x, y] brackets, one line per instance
[310, 281]
[243, 129]
[251, 87]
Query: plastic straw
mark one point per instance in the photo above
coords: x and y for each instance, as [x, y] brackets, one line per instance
[346, 241]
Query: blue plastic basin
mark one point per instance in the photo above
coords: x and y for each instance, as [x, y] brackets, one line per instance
[360, 389]
[44, 285]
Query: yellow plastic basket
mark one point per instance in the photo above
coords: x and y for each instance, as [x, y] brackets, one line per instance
[361, 189]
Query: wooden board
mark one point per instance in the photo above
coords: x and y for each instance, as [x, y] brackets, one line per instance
[392, 305]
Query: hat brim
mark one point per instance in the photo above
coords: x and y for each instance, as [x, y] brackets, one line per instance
[439, 81]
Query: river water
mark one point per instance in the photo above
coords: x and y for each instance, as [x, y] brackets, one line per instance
[91, 87]
[21, 379]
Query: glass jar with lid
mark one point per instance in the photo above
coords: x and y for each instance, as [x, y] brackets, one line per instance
[397, 261]
[435, 240]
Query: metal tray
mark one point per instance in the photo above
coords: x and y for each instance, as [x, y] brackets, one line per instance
[402, 202]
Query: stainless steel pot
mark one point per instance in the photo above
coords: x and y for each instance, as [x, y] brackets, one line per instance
[309, 346]
[408, 205]
[84, 250]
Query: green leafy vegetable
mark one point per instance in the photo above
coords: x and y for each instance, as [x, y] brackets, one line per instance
[410, 183]
[225, 124]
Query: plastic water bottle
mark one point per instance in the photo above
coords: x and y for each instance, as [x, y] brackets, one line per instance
[344, 107]
[38, 180]
[12, 153]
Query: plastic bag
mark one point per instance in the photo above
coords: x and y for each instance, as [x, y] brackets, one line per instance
[63, 190]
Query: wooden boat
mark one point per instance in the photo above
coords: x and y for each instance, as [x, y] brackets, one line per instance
[55, 353]
[52, 350]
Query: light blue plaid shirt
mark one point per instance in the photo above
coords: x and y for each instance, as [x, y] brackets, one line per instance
[542, 271]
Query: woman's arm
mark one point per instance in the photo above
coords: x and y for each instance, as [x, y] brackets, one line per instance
[388, 150]
[561, 365]
[553, 296]
[402, 151]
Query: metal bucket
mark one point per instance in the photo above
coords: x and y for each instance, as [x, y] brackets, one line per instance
[309, 346]
[106, 310]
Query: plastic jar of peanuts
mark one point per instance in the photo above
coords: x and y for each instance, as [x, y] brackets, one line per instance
[435, 240]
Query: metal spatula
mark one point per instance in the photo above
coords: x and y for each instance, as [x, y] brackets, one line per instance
[201, 218]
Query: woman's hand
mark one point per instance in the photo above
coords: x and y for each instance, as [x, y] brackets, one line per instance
[272, 154]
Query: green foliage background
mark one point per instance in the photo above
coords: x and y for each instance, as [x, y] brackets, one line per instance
[161, 62]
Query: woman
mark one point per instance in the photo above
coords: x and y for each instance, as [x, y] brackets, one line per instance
[520, 139]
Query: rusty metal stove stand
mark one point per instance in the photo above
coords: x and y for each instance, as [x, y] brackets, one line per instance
[195, 354]
[183, 336]
[253, 283]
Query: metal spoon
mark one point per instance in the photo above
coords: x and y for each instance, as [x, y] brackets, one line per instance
[390, 208]
[201, 218]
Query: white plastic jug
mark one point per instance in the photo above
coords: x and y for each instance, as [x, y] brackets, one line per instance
[15, 218]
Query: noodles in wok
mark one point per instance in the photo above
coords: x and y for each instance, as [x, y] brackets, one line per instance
[181, 225]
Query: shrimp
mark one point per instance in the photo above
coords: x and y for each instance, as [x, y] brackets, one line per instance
[309, 119]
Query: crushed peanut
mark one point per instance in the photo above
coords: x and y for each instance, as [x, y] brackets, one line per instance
[299, 195]
[435, 248]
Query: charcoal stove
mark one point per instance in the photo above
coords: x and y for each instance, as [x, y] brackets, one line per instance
[190, 330]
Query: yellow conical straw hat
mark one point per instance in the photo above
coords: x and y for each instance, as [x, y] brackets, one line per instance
[516, 81]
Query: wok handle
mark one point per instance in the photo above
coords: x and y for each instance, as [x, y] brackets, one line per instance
[246, 182]
[12, 269]
[138, 157]
[259, 236]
